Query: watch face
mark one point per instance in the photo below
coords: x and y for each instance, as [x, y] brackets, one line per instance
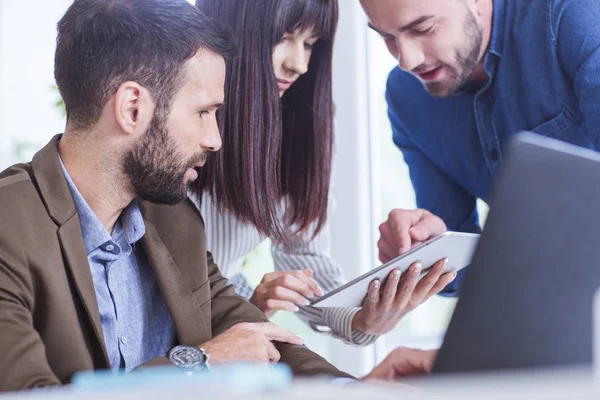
[187, 356]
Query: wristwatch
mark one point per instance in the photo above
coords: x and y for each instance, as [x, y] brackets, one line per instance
[189, 358]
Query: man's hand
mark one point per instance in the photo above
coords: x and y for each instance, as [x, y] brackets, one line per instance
[383, 309]
[285, 290]
[403, 362]
[250, 342]
[405, 229]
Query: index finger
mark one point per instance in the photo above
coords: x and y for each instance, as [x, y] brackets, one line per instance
[272, 353]
[274, 332]
[312, 284]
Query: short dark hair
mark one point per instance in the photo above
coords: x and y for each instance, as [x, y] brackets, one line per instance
[103, 43]
[274, 149]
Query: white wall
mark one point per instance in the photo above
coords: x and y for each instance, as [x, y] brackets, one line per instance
[352, 229]
[27, 42]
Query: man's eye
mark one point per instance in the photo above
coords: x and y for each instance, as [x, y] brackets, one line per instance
[203, 112]
[423, 31]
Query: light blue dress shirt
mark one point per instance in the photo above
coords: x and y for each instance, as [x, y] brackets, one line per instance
[136, 323]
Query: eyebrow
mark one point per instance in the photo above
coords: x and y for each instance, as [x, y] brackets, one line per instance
[214, 105]
[411, 25]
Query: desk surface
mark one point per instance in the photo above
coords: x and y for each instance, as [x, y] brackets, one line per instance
[545, 385]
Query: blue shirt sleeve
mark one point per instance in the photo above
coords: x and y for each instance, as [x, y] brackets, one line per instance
[576, 35]
[435, 191]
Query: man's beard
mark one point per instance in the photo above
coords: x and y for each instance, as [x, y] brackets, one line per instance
[155, 167]
[467, 58]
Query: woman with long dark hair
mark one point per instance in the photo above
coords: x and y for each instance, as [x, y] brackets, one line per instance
[272, 177]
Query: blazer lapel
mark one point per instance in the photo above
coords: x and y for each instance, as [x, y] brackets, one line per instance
[76, 260]
[61, 207]
[188, 318]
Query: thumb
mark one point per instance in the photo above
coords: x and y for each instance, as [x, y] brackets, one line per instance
[418, 233]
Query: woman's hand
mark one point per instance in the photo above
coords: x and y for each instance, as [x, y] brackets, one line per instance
[383, 308]
[285, 290]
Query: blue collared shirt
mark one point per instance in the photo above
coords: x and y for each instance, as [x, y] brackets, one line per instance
[543, 63]
[136, 323]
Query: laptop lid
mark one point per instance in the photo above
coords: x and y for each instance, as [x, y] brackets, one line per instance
[527, 299]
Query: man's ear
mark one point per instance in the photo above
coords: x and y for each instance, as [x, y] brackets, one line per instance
[133, 108]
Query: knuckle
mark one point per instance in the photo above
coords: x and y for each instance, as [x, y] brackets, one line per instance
[388, 295]
[255, 335]
[278, 291]
[244, 326]
[276, 356]
[270, 304]
[405, 289]
[426, 281]
[411, 305]
[261, 289]
[264, 354]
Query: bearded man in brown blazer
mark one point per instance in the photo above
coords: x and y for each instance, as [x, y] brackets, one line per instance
[102, 257]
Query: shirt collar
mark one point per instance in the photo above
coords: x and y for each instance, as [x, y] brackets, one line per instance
[94, 233]
[497, 37]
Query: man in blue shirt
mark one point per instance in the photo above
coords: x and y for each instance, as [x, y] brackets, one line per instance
[471, 74]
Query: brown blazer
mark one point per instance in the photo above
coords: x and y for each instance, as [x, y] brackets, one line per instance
[49, 320]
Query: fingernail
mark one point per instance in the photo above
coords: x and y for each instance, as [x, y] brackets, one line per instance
[306, 302]
[320, 291]
[445, 261]
[416, 268]
[396, 274]
[376, 284]
[401, 250]
[296, 309]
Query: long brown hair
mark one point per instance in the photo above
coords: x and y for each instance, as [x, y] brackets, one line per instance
[274, 149]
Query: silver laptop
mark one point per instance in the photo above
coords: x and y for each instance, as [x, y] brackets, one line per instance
[527, 300]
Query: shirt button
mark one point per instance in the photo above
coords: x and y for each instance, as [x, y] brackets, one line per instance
[123, 340]
[110, 247]
[494, 155]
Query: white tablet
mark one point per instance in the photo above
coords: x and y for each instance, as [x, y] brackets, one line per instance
[457, 246]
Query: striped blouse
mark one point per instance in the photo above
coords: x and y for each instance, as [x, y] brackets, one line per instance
[230, 240]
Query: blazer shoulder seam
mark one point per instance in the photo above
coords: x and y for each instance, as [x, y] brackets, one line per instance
[13, 179]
